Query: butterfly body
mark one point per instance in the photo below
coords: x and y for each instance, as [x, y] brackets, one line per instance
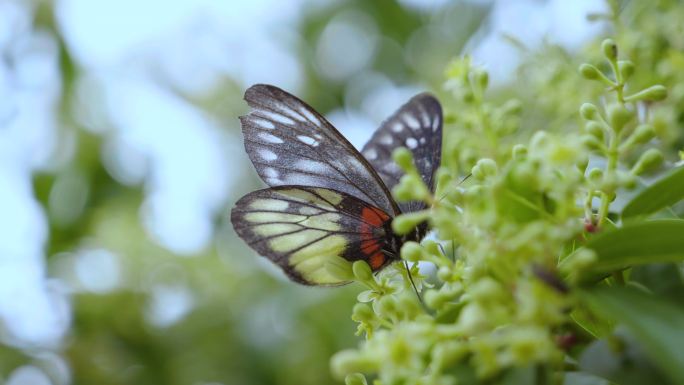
[327, 202]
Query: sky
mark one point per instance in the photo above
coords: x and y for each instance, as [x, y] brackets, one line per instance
[130, 52]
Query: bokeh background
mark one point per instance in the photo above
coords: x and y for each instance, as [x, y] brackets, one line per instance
[121, 155]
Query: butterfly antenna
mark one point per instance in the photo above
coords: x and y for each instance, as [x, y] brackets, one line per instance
[415, 289]
[459, 183]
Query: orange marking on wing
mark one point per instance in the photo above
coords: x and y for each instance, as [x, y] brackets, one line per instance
[373, 216]
[377, 260]
[369, 247]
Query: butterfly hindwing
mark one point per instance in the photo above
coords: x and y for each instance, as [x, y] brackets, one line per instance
[417, 125]
[290, 143]
[301, 229]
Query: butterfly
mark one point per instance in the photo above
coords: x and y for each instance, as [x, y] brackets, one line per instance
[327, 201]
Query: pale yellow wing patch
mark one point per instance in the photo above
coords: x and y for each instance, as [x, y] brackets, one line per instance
[303, 230]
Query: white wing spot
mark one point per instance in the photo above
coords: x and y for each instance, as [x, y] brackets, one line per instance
[270, 138]
[422, 140]
[426, 118]
[308, 140]
[311, 166]
[435, 123]
[264, 124]
[318, 136]
[391, 168]
[411, 143]
[290, 112]
[411, 121]
[267, 155]
[301, 179]
[270, 172]
[398, 127]
[309, 115]
[370, 154]
[280, 118]
[386, 139]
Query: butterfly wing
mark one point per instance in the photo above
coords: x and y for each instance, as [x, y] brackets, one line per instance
[290, 143]
[417, 125]
[302, 229]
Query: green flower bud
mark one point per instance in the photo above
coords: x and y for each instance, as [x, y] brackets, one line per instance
[468, 96]
[387, 306]
[519, 152]
[444, 273]
[595, 175]
[595, 129]
[539, 140]
[486, 289]
[355, 379]
[512, 107]
[443, 177]
[411, 187]
[400, 351]
[588, 111]
[626, 68]
[339, 268]
[448, 353]
[484, 168]
[409, 306]
[404, 158]
[643, 134]
[473, 319]
[649, 160]
[412, 251]
[350, 361]
[609, 49]
[588, 71]
[362, 313]
[482, 78]
[652, 94]
[583, 163]
[362, 271]
[403, 224]
[467, 157]
[529, 344]
[627, 179]
[432, 247]
[609, 184]
[619, 116]
[434, 299]
[592, 143]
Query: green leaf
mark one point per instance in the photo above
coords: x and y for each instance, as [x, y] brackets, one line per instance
[663, 193]
[621, 360]
[664, 280]
[579, 378]
[655, 323]
[637, 243]
[587, 321]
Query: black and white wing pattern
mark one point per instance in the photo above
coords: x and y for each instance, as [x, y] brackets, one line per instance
[290, 143]
[417, 125]
[303, 229]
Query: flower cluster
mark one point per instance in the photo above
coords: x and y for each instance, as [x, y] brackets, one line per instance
[493, 302]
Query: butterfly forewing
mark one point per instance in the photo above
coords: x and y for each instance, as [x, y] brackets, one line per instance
[417, 125]
[289, 143]
[304, 228]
